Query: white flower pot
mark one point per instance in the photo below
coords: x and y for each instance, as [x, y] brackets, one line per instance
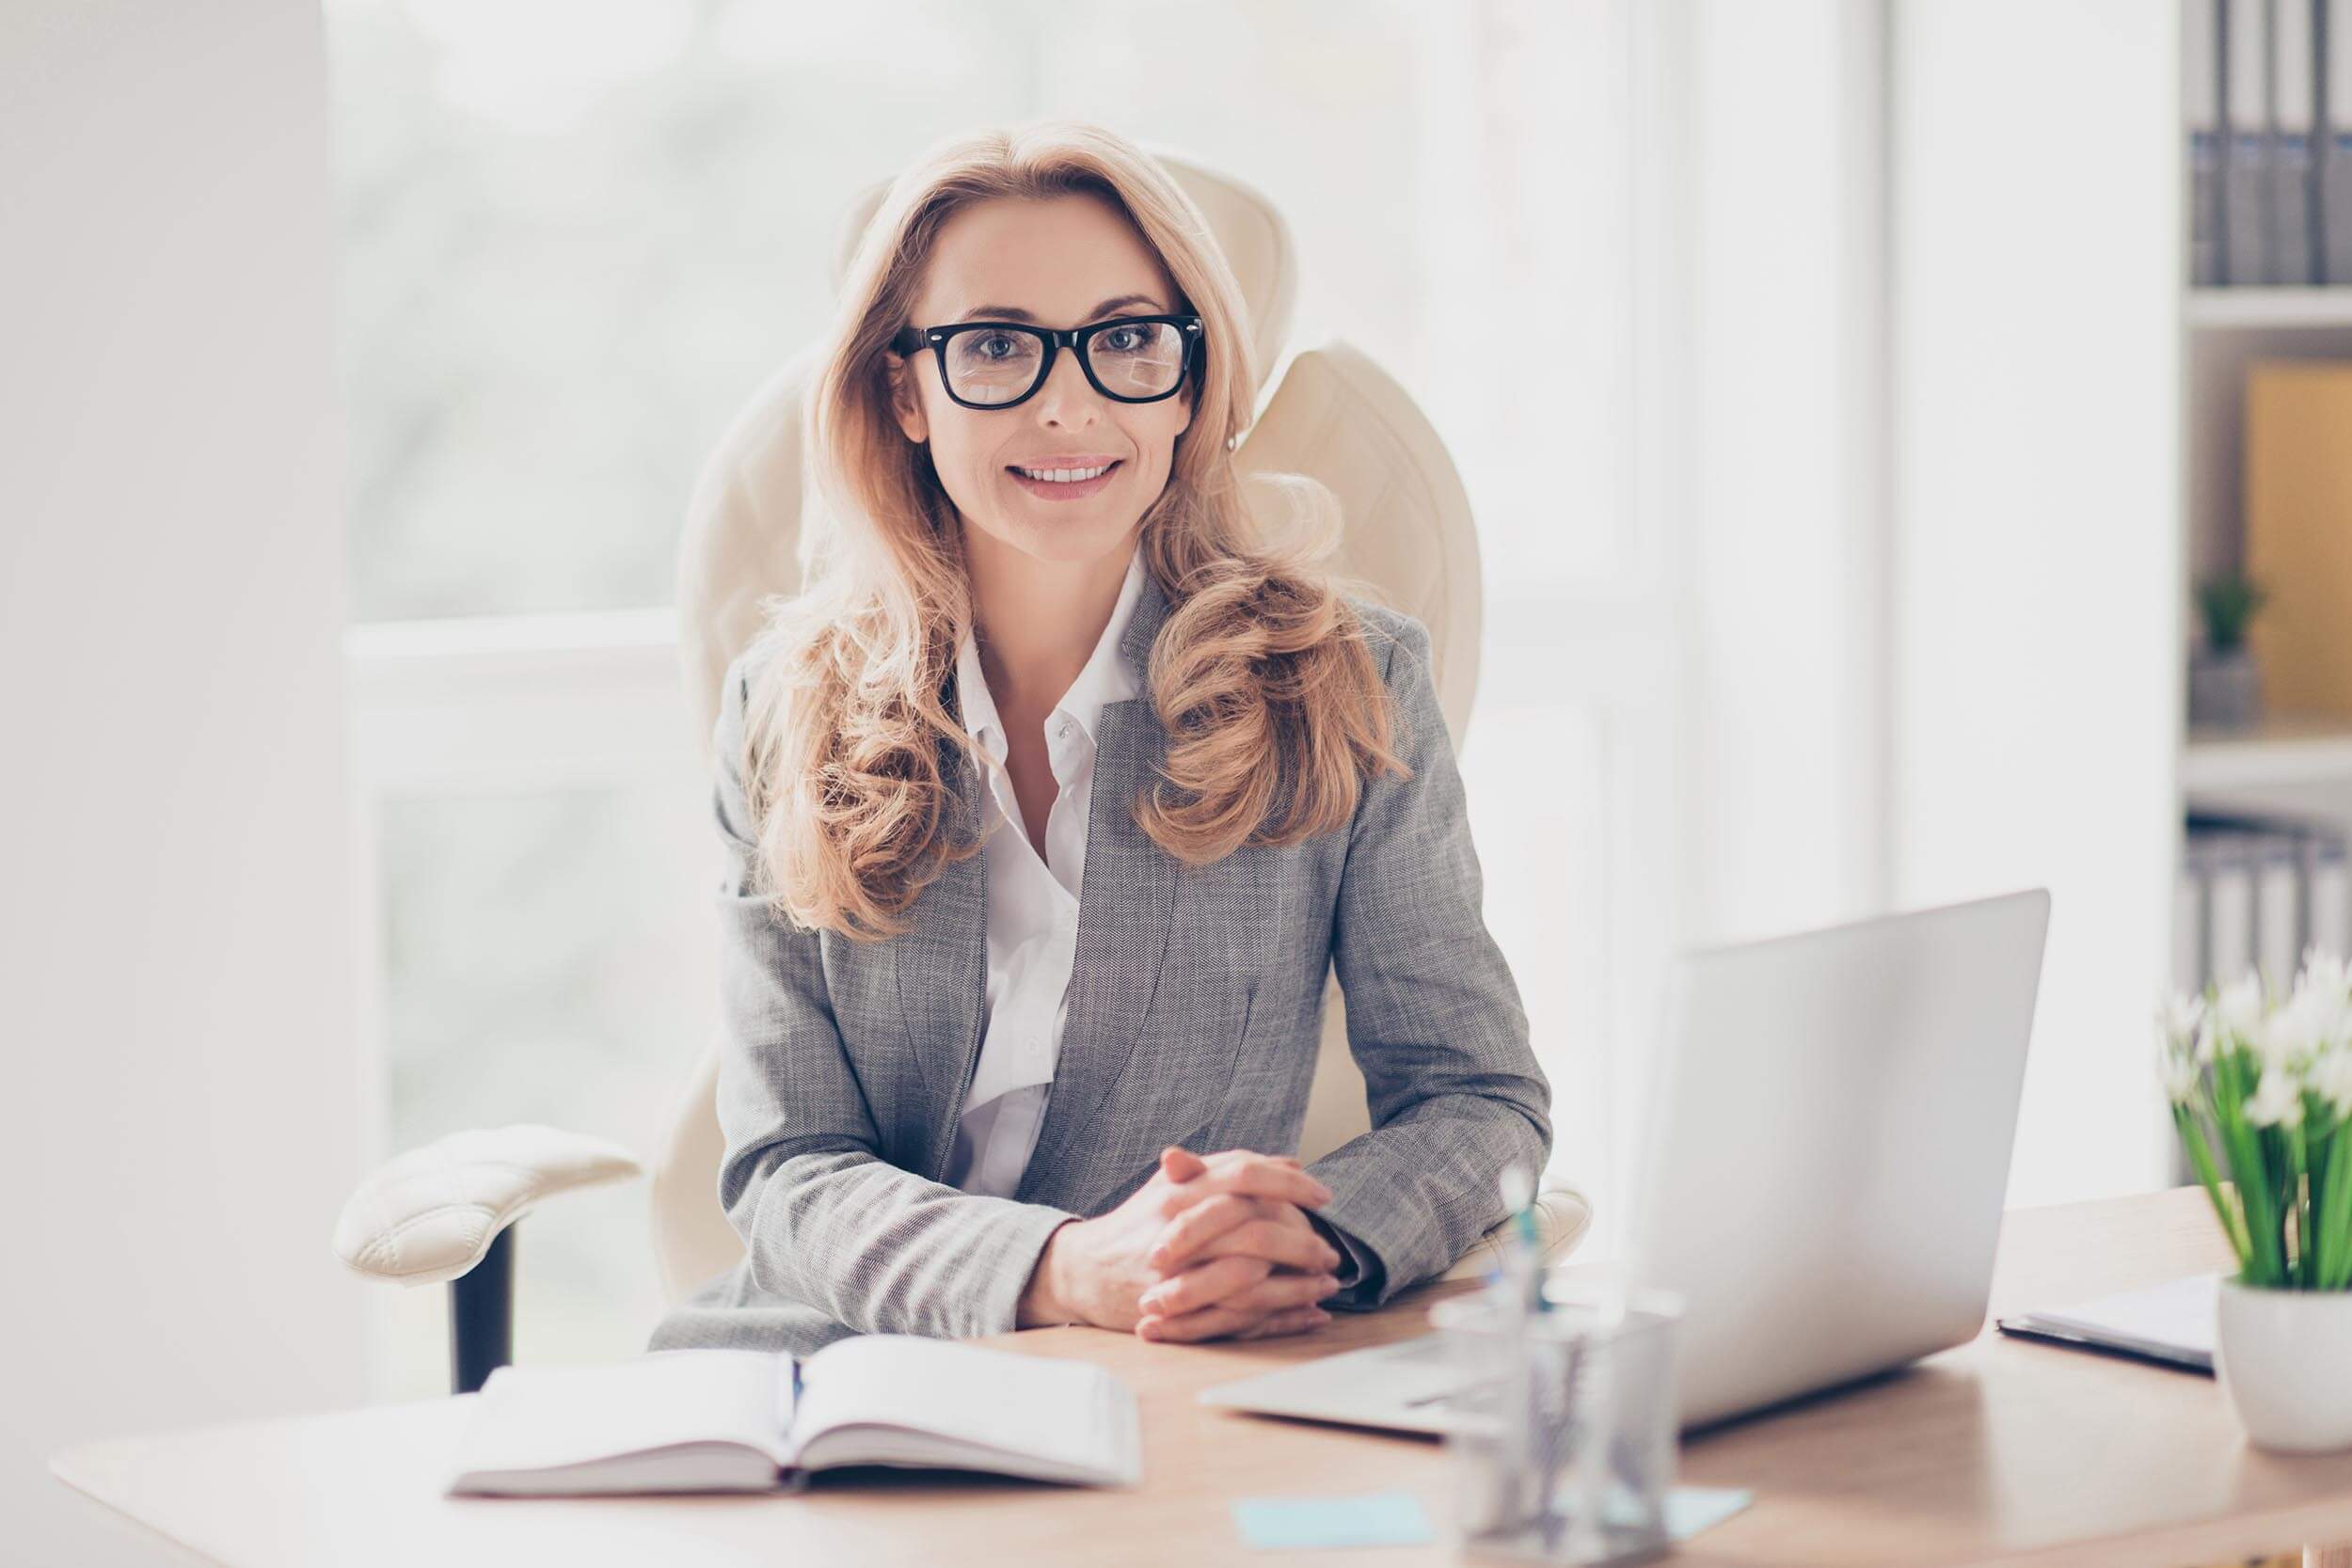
[2285, 1359]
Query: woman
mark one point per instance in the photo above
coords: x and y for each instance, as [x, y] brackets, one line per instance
[1051, 802]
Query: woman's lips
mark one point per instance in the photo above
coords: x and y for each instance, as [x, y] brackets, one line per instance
[1069, 491]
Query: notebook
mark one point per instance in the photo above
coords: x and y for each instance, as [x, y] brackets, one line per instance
[745, 1420]
[2172, 1322]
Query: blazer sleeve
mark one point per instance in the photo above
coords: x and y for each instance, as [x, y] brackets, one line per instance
[1434, 1017]
[825, 1220]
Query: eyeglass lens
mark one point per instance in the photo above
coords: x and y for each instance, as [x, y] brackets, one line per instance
[1133, 359]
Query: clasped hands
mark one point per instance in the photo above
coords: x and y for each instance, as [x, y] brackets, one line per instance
[1213, 1246]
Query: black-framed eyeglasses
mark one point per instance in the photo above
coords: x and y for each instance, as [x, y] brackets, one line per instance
[987, 364]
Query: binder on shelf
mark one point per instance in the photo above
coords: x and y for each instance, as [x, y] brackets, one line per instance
[2246, 118]
[2278, 858]
[2228, 907]
[2294, 193]
[2297, 479]
[2328, 909]
[2335, 170]
[2261, 891]
[2200, 97]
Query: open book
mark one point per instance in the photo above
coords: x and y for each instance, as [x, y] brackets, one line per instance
[742, 1421]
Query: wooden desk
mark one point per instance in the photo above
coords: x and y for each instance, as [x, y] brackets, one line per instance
[1999, 1450]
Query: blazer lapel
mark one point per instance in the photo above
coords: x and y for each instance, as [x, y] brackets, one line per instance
[1125, 901]
[942, 964]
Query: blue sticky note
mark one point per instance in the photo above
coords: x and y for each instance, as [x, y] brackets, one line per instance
[1687, 1508]
[1692, 1508]
[1367, 1519]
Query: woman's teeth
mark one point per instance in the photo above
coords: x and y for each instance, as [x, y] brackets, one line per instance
[1065, 475]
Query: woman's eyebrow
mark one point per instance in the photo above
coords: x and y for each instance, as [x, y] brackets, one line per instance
[1014, 312]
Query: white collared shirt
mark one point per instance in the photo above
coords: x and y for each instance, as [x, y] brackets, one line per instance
[1032, 906]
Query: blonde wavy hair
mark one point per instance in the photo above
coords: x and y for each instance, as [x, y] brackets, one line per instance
[1261, 675]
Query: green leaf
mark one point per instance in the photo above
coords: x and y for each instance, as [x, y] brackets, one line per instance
[2193, 1138]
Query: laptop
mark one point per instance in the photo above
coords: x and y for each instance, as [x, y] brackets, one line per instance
[1820, 1177]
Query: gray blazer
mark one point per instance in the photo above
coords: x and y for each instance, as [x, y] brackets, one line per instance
[1195, 1010]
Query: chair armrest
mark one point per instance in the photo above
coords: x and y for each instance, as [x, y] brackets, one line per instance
[1563, 1215]
[430, 1215]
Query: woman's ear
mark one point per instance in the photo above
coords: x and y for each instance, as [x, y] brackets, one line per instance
[905, 404]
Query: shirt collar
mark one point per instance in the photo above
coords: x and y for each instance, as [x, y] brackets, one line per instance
[1106, 677]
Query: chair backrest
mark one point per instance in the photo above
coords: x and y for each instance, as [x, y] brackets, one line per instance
[1331, 414]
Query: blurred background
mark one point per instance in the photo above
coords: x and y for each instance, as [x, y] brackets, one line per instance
[1854, 422]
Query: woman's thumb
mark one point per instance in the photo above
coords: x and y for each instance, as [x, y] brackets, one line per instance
[1179, 1164]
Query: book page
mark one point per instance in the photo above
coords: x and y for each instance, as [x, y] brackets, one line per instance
[985, 1400]
[548, 1418]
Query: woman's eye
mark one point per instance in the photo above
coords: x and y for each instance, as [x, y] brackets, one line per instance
[994, 345]
[1123, 340]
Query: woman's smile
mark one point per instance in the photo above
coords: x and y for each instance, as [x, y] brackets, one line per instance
[1062, 483]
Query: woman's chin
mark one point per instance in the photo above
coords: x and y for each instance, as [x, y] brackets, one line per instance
[1078, 539]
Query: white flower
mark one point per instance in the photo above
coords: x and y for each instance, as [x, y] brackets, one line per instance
[2313, 1018]
[2330, 1078]
[2177, 1020]
[2181, 1025]
[2238, 1010]
[2325, 971]
[2180, 1073]
[2278, 1100]
[2327, 981]
[2292, 1032]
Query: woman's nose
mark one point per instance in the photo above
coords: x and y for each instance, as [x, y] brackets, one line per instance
[1067, 397]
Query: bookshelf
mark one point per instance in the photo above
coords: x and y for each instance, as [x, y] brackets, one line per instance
[2225, 309]
[2280, 752]
[2288, 764]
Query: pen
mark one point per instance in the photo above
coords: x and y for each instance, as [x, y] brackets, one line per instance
[1525, 1435]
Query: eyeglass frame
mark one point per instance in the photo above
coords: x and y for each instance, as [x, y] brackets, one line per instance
[912, 339]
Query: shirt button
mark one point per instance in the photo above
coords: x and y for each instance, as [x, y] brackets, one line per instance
[1065, 728]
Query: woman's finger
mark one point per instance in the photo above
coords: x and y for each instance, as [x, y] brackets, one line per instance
[1256, 1177]
[1181, 1165]
[1280, 1292]
[1226, 1156]
[1207, 1323]
[1184, 1236]
[1287, 1292]
[1299, 1320]
[1254, 1301]
[1279, 1242]
[1204, 1286]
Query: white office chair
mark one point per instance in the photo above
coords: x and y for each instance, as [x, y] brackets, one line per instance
[444, 1212]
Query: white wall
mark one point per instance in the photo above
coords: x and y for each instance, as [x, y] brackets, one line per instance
[174, 879]
[1788, 517]
[2035, 167]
